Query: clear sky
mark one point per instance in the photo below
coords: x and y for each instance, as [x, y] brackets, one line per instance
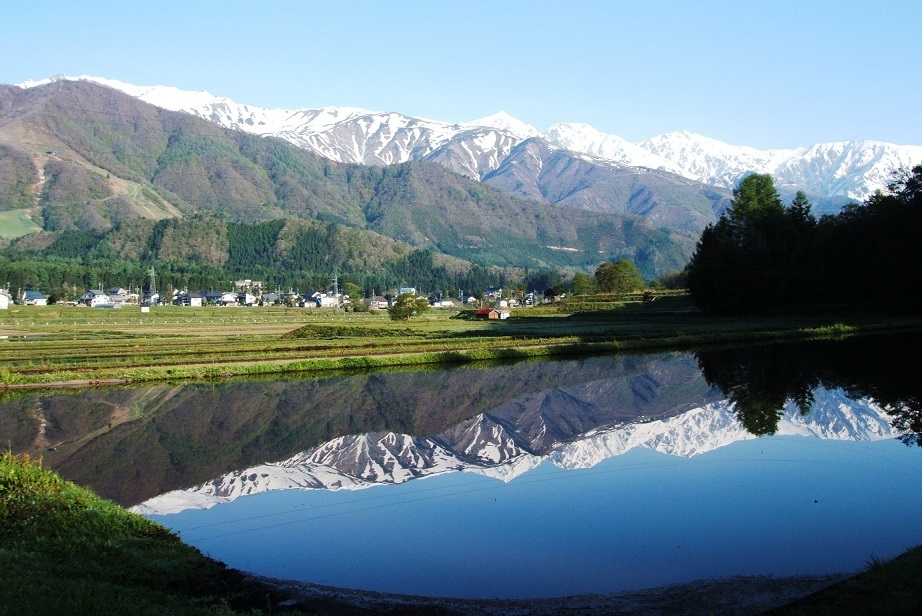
[765, 74]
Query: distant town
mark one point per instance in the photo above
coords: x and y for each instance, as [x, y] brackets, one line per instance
[251, 293]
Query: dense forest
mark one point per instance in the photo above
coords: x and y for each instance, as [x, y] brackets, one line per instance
[764, 256]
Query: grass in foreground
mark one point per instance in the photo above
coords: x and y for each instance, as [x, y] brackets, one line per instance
[64, 550]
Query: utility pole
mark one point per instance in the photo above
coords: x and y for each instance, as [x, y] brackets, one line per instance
[153, 280]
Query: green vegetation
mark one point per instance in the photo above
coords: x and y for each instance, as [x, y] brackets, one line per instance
[755, 257]
[16, 223]
[619, 277]
[17, 178]
[762, 256]
[66, 551]
[886, 587]
[407, 306]
[203, 253]
[147, 163]
[59, 343]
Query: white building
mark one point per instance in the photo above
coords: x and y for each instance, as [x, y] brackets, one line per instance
[34, 298]
[95, 297]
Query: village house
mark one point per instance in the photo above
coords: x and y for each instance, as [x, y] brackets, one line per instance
[34, 298]
[327, 301]
[246, 299]
[377, 302]
[254, 287]
[309, 299]
[120, 295]
[316, 299]
[437, 300]
[493, 293]
[94, 298]
[270, 299]
[492, 313]
[195, 300]
[227, 299]
[291, 299]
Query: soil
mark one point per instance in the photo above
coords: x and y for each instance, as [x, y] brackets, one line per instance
[731, 596]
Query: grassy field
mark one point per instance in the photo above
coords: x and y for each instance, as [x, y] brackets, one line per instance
[16, 223]
[40, 346]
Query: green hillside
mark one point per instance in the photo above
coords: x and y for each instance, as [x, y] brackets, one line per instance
[91, 159]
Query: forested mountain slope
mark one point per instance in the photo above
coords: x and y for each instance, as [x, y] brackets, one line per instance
[78, 156]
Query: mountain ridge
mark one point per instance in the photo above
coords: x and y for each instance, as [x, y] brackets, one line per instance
[843, 170]
[88, 158]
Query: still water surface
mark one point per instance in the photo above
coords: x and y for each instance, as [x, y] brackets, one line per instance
[537, 479]
[783, 506]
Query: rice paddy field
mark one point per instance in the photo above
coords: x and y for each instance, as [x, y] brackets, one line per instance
[43, 346]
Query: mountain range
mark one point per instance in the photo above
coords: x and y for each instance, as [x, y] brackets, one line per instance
[79, 156]
[90, 154]
[489, 446]
[488, 148]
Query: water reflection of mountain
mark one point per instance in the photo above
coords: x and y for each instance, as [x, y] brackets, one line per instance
[504, 449]
[858, 389]
[132, 444]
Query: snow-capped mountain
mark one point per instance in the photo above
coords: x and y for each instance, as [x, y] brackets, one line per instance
[583, 138]
[493, 448]
[711, 161]
[852, 170]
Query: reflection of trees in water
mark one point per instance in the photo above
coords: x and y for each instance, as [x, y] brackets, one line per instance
[761, 379]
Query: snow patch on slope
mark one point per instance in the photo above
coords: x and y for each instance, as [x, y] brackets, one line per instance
[853, 169]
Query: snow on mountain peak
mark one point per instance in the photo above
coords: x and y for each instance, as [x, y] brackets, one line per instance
[504, 121]
[584, 139]
[166, 97]
[853, 169]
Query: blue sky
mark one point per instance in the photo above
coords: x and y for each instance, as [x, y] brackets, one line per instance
[765, 74]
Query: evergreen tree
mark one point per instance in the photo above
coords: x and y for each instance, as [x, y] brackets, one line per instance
[739, 265]
[755, 199]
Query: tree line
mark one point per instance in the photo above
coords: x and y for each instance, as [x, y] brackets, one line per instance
[763, 255]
